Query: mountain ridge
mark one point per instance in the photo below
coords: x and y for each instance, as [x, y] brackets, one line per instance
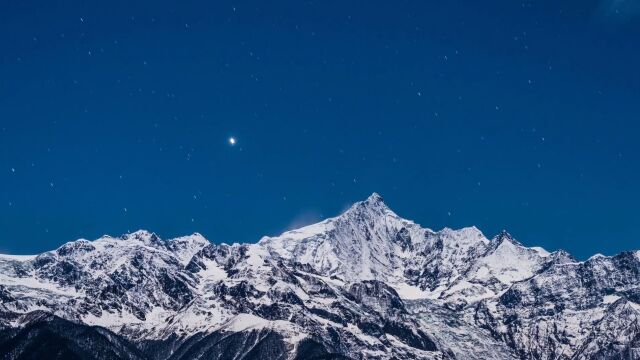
[364, 284]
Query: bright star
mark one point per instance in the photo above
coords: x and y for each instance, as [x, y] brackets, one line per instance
[232, 141]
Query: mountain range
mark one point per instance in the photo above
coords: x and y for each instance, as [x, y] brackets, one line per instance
[366, 284]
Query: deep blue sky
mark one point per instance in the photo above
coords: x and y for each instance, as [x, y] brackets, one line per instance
[501, 114]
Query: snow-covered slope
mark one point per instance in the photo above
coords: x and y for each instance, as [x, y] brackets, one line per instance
[365, 284]
[368, 241]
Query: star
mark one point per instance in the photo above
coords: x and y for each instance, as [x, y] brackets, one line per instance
[232, 141]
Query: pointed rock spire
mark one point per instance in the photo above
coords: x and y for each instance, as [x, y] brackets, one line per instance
[375, 198]
[504, 235]
[373, 203]
[501, 238]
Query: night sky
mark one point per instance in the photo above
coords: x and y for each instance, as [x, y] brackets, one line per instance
[517, 115]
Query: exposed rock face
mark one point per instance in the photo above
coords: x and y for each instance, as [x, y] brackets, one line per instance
[364, 285]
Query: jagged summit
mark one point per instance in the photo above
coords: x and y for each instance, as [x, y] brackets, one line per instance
[372, 207]
[139, 234]
[504, 236]
[364, 284]
[374, 200]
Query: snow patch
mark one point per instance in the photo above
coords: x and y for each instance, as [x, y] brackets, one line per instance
[541, 251]
[244, 322]
[257, 255]
[610, 299]
[409, 292]
[213, 272]
[17, 257]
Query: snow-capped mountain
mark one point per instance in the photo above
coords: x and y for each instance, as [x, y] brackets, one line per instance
[367, 284]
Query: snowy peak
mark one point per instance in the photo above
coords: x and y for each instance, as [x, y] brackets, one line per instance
[509, 261]
[375, 197]
[373, 202]
[186, 247]
[502, 238]
[144, 237]
[467, 236]
[366, 242]
[183, 247]
[372, 209]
